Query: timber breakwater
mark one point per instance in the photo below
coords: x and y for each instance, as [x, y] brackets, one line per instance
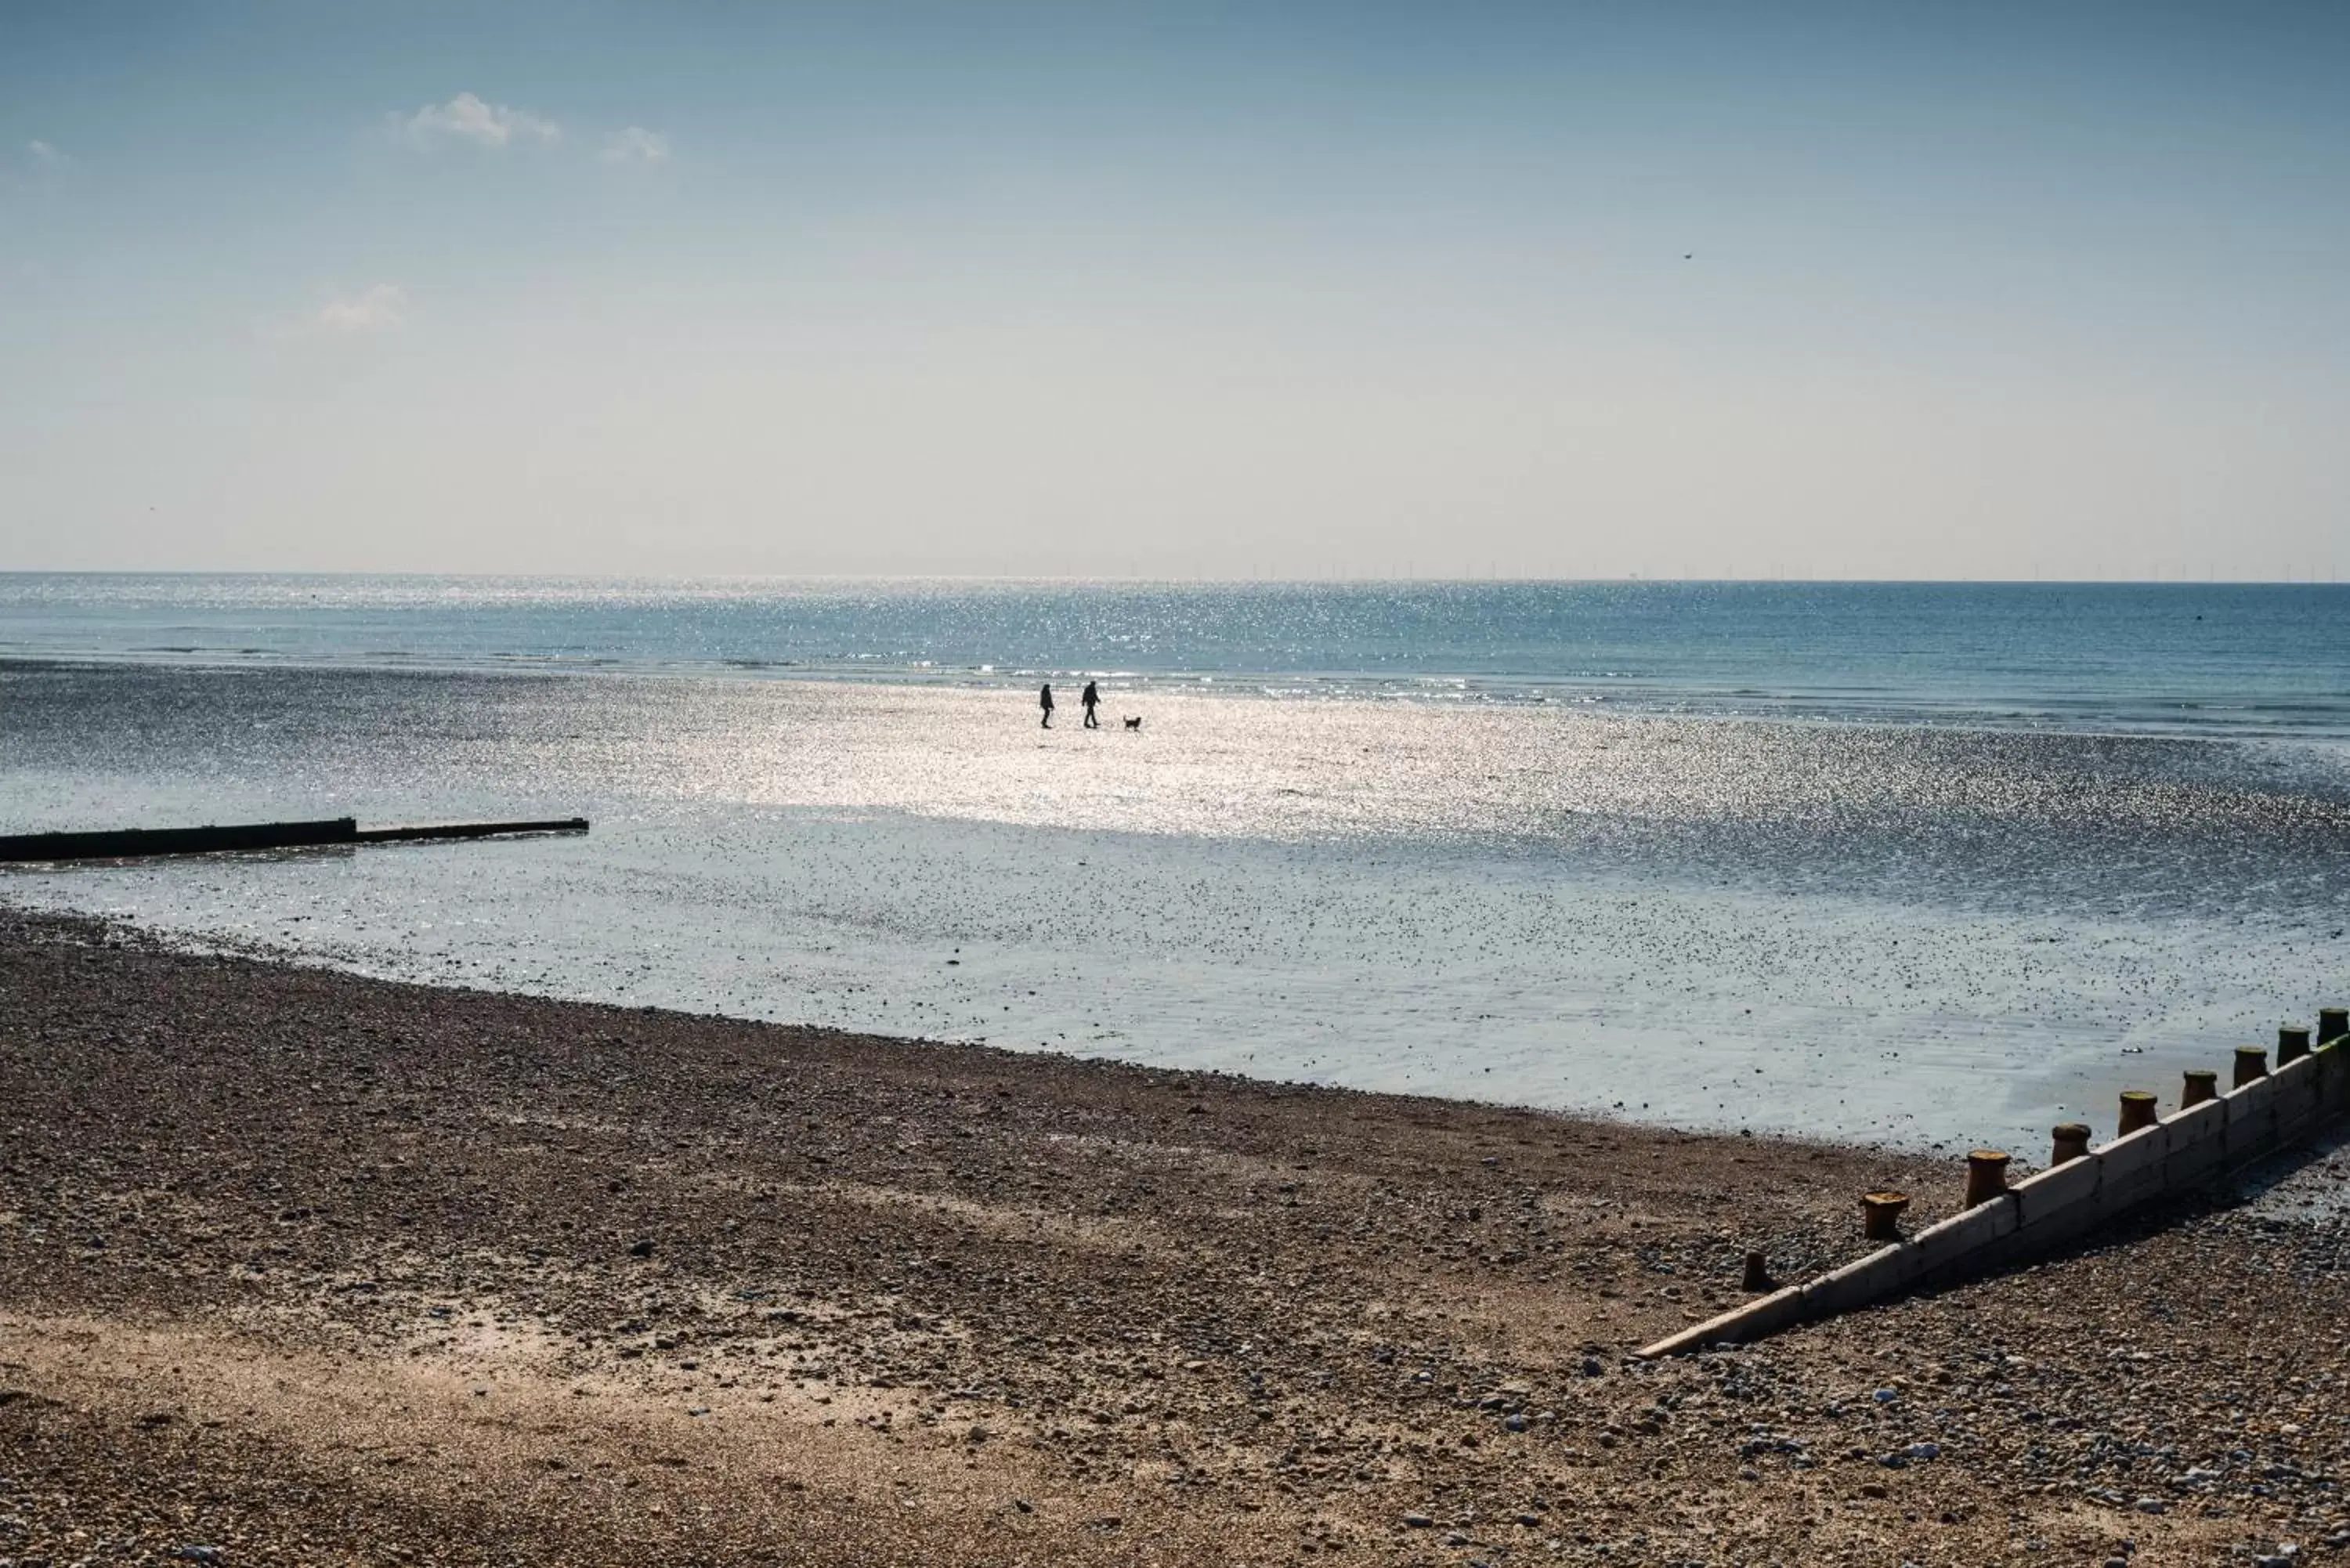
[2212, 1134]
[135, 842]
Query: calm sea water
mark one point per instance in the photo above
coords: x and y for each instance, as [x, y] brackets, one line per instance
[2135, 656]
[1926, 864]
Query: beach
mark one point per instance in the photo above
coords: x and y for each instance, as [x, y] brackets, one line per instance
[1188, 786]
[301, 1266]
[896, 1133]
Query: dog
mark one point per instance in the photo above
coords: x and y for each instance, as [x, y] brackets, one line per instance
[1134, 724]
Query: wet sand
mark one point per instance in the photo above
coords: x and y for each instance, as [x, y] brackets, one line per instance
[301, 1267]
[1924, 936]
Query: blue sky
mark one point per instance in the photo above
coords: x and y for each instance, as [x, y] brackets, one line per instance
[1206, 290]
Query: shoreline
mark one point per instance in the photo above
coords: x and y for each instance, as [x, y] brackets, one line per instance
[1722, 703]
[304, 1266]
[1916, 935]
[226, 947]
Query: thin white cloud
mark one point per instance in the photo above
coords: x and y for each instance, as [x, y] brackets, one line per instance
[467, 119]
[635, 145]
[378, 309]
[33, 166]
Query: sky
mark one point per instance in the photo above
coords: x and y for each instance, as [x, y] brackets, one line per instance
[1271, 289]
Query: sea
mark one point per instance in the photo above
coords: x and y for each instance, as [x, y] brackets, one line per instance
[1924, 865]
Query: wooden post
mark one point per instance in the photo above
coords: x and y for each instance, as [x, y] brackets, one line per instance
[1986, 1176]
[1880, 1215]
[1758, 1273]
[2293, 1042]
[2332, 1024]
[2138, 1112]
[2071, 1142]
[2252, 1062]
[2202, 1084]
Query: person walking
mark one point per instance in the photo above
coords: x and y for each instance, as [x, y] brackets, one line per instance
[1090, 699]
[1044, 700]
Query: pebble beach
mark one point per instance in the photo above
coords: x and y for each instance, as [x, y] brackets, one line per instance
[1175, 786]
[298, 1266]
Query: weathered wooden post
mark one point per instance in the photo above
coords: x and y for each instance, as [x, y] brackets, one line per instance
[2251, 1062]
[1880, 1215]
[2071, 1142]
[1758, 1273]
[1986, 1176]
[2293, 1042]
[2202, 1084]
[2138, 1112]
[2332, 1024]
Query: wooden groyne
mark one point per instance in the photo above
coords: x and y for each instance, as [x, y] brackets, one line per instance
[134, 843]
[468, 830]
[2209, 1136]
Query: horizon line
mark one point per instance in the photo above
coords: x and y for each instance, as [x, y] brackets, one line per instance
[1018, 579]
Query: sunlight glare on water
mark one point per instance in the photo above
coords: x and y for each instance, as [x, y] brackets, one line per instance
[1913, 931]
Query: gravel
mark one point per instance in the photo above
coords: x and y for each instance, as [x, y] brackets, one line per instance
[297, 1266]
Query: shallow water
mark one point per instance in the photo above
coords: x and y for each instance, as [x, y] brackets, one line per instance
[1912, 932]
[2235, 658]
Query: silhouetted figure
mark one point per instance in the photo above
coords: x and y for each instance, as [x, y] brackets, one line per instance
[1089, 700]
[1044, 700]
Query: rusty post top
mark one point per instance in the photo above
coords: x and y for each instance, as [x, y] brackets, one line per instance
[1880, 1215]
[1986, 1175]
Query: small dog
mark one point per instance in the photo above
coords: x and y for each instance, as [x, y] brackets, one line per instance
[1134, 724]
